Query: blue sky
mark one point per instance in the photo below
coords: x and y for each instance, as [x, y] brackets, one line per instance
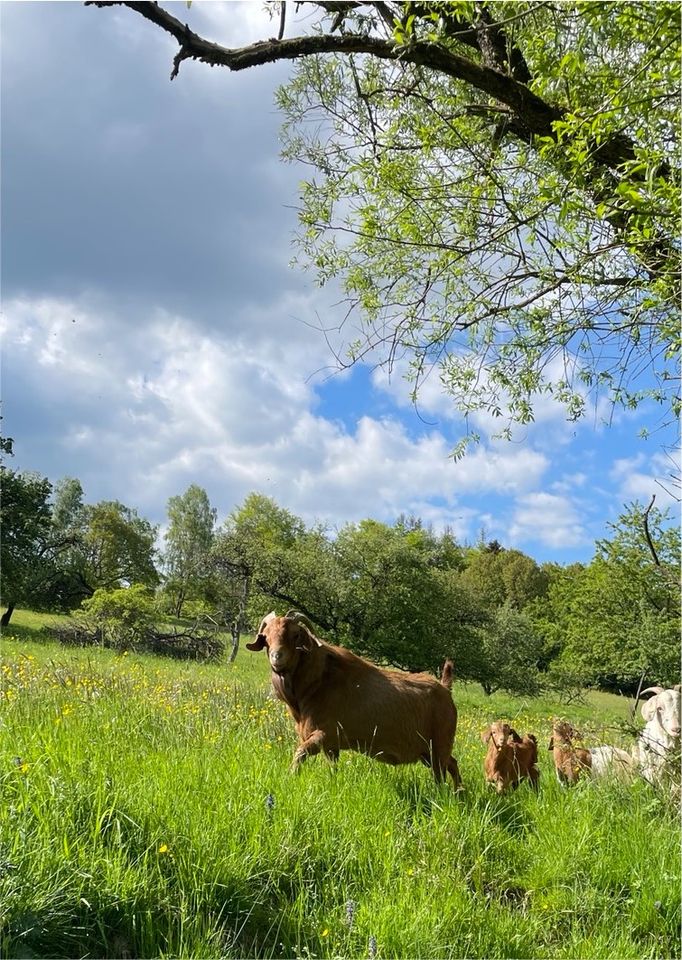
[155, 335]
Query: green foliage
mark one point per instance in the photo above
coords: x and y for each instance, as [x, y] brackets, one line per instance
[129, 618]
[25, 521]
[55, 555]
[496, 577]
[506, 653]
[68, 512]
[118, 546]
[188, 543]
[520, 262]
[619, 617]
[395, 602]
[124, 617]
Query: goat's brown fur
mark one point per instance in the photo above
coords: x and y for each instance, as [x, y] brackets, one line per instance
[510, 758]
[339, 701]
[570, 762]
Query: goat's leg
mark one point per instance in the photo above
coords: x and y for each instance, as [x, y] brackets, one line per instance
[307, 748]
[453, 770]
[534, 776]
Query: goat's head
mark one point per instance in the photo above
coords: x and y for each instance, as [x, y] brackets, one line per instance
[665, 708]
[564, 732]
[501, 733]
[285, 639]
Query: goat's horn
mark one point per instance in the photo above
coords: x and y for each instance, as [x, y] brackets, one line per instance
[299, 618]
[266, 620]
[677, 687]
[652, 690]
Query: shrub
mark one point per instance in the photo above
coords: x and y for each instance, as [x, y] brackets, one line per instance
[126, 619]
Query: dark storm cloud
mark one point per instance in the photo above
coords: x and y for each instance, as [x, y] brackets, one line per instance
[118, 179]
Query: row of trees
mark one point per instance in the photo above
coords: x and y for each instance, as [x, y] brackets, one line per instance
[56, 550]
[400, 593]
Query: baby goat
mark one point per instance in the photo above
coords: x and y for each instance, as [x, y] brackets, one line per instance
[570, 762]
[510, 758]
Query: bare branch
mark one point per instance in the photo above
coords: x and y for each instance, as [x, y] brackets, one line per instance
[536, 115]
[647, 534]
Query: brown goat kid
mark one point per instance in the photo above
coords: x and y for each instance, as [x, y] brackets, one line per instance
[510, 758]
[570, 762]
[339, 701]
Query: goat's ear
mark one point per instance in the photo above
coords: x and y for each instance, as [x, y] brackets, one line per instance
[550, 745]
[307, 640]
[487, 734]
[649, 708]
[257, 644]
[514, 735]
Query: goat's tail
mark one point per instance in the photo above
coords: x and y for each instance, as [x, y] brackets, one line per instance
[446, 675]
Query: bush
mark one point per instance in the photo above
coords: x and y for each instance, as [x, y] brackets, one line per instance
[126, 619]
[506, 654]
[567, 680]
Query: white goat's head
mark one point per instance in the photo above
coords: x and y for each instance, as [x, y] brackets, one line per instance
[663, 709]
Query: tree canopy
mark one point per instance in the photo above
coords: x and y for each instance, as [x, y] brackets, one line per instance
[25, 522]
[495, 187]
[400, 594]
[188, 541]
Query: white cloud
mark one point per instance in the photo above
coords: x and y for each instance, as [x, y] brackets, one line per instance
[549, 428]
[570, 482]
[548, 519]
[156, 404]
[640, 477]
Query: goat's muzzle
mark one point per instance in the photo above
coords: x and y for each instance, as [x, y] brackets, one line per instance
[276, 659]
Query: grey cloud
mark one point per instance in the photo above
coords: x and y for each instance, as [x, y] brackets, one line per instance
[115, 177]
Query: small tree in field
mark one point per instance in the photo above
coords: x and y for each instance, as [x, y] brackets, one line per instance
[505, 653]
[619, 617]
[188, 543]
[25, 521]
[125, 617]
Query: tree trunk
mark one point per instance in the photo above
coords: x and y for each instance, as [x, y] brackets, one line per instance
[180, 604]
[235, 632]
[7, 615]
[235, 628]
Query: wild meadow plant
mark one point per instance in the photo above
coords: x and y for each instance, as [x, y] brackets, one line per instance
[148, 811]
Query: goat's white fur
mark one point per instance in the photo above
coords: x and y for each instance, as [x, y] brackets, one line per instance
[661, 734]
[611, 761]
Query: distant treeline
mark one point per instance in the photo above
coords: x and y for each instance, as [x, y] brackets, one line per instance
[400, 594]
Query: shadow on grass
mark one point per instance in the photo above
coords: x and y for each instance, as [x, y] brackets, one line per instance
[141, 904]
[22, 633]
[236, 920]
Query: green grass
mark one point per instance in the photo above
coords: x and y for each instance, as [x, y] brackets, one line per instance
[135, 821]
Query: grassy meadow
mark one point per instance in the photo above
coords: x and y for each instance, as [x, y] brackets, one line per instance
[147, 811]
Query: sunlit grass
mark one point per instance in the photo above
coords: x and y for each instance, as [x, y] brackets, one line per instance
[147, 810]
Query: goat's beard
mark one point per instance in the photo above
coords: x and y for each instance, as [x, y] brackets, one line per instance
[282, 685]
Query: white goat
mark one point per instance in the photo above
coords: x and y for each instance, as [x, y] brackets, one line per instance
[612, 762]
[661, 735]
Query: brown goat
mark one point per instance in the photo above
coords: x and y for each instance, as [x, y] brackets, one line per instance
[570, 762]
[510, 758]
[341, 702]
